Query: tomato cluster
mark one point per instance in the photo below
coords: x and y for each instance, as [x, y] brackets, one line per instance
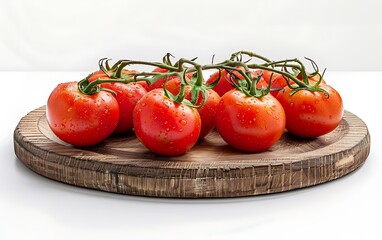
[172, 108]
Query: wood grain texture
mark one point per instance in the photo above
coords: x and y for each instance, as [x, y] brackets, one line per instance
[211, 169]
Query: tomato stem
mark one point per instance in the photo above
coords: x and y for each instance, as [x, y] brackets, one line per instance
[88, 88]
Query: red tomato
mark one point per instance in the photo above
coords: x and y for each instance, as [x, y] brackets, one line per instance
[165, 127]
[278, 81]
[250, 124]
[207, 111]
[127, 96]
[224, 85]
[311, 114]
[78, 119]
[160, 82]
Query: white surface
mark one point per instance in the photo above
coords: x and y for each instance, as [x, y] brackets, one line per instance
[56, 35]
[34, 207]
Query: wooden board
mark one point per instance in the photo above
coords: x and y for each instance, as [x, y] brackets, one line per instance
[210, 169]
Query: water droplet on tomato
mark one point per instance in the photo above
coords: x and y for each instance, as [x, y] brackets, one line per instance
[239, 103]
[143, 104]
[180, 129]
[257, 110]
[303, 107]
[183, 122]
[316, 102]
[167, 129]
[165, 122]
[291, 104]
[70, 109]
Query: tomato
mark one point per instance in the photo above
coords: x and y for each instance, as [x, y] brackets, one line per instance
[79, 119]
[224, 85]
[160, 82]
[207, 111]
[127, 96]
[165, 127]
[278, 81]
[311, 114]
[250, 124]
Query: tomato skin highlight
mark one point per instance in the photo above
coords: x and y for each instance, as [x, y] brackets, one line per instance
[250, 124]
[165, 127]
[207, 112]
[311, 114]
[79, 119]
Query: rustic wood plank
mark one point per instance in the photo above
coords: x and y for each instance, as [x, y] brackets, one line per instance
[211, 169]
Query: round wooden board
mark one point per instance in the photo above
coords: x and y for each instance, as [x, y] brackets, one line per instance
[210, 169]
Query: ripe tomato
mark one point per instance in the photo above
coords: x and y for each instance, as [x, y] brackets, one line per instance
[79, 119]
[224, 85]
[278, 81]
[311, 114]
[127, 96]
[160, 82]
[165, 127]
[249, 124]
[207, 111]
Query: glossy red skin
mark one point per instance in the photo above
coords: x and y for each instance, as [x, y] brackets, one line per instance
[165, 127]
[207, 112]
[127, 96]
[224, 85]
[311, 114]
[78, 119]
[250, 124]
[160, 82]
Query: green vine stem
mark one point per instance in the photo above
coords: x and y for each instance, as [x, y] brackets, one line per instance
[183, 66]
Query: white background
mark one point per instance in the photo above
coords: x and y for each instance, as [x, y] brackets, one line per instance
[71, 35]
